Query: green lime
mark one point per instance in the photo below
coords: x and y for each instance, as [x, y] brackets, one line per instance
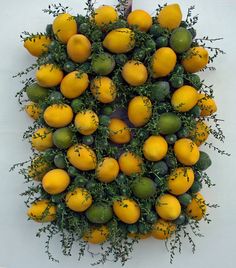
[180, 40]
[171, 138]
[160, 168]
[96, 35]
[183, 133]
[156, 30]
[185, 199]
[59, 161]
[62, 138]
[176, 81]
[194, 80]
[69, 66]
[84, 28]
[143, 187]
[72, 171]
[171, 161]
[55, 96]
[103, 64]
[80, 180]
[195, 111]
[121, 59]
[143, 228]
[160, 90]
[168, 123]
[179, 69]
[107, 110]
[104, 120]
[150, 45]
[49, 155]
[180, 220]
[204, 161]
[196, 187]
[132, 228]
[76, 105]
[151, 217]
[99, 213]
[88, 140]
[36, 93]
[161, 41]
[139, 54]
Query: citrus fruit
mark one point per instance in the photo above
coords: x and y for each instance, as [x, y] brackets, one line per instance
[163, 62]
[181, 219]
[42, 139]
[206, 104]
[197, 208]
[170, 16]
[88, 140]
[196, 187]
[186, 151]
[155, 148]
[37, 45]
[171, 138]
[49, 75]
[139, 111]
[127, 210]
[86, 122]
[42, 211]
[184, 98]
[55, 181]
[62, 138]
[82, 157]
[107, 170]
[156, 30]
[168, 123]
[168, 207]
[97, 235]
[78, 200]
[38, 168]
[141, 19]
[176, 81]
[185, 199]
[130, 163]
[204, 161]
[180, 180]
[103, 63]
[160, 168]
[105, 15]
[58, 115]
[200, 134]
[119, 132]
[180, 40]
[59, 161]
[130, 71]
[36, 93]
[143, 187]
[103, 89]
[121, 59]
[160, 90]
[33, 110]
[74, 84]
[163, 229]
[99, 213]
[162, 41]
[78, 48]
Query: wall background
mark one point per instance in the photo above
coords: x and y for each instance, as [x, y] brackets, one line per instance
[18, 245]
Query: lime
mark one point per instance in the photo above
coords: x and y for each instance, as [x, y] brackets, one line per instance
[168, 123]
[156, 30]
[171, 138]
[62, 138]
[49, 155]
[55, 96]
[76, 105]
[36, 93]
[80, 180]
[150, 45]
[143, 228]
[121, 59]
[204, 161]
[195, 111]
[179, 69]
[99, 213]
[183, 133]
[103, 64]
[180, 220]
[72, 171]
[143, 187]
[194, 80]
[185, 199]
[161, 41]
[139, 54]
[104, 120]
[171, 161]
[180, 40]
[160, 90]
[69, 66]
[107, 110]
[151, 217]
[160, 168]
[59, 161]
[88, 140]
[196, 187]
[132, 228]
[176, 81]
[96, 35]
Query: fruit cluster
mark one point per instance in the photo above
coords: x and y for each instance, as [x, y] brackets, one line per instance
[119, 120]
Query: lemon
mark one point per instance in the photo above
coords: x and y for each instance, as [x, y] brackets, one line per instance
[107, 170]
[33, 110]
[155, 148]
[58, 115]
[99, 213]
[206, 104]
[163, 229]
[38, 168]
[42, 139]
[141, 19]
[103, 89]
[163, 62]
[86, 122]
[197, 208]
[49, 75]
[82, 157]
[200, 134]
[62, 138]
[184, 98]
[130, 163]
[180, 180]
[79, 200]
[64, 26]
[103, 63]
[139, 111]
[170, 16]
[105, 15]
[97, 235]
[186, 151]
[119, 132]
[74, 84]
[130, 71]
[143, 187]
[42, 211]
[168, 207]
[120, 40]
[79, 48]
[55, 181]
[127, 210]
[37, 45]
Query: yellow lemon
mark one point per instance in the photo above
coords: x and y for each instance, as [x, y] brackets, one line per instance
[127, 210]
[196, 59]
[168, 207]
[37, 44]
[49, 75]
[141, 19]
[184, 98]
[207, 104]
[74, 84]
[119, 132]
[155, 148]
[135, 73]
[79, 200]
[38, 168]
[163, 229]
[82, 157]
[180, 180]
[79, 48]
[58, 115]
[64, 26]
[200, 134]
[42, 211]
[97, 235]
[42, 139]
[139, 236]
[170, 16]
[197, 208]
[107, 170]
[33, 110]
[139, 111]
[86, 122]
[119, 40]
[105, 15]
[130, 163]
[186, 152]
[163, 62]
[55, 181]
[103, 89]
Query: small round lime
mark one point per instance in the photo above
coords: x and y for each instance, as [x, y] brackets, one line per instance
[103, 63]
[196, 187]
[156, 30]
[36, 93]
[62, 138]
[88, 140]
[176, 81]
[180, 40]
[168, 123]
[160, 168]
[143, 187]
[99, 213]
[204, 161]
[160, 90]
[107, 110]
[185, 199]
[69, 66]
[59, 161]
[161, 41]
[104, 120]
[139, 54]
[76, 105]
[121, 59]
[171, 138]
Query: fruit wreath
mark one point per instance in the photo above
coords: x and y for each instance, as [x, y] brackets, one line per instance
[119, 119]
